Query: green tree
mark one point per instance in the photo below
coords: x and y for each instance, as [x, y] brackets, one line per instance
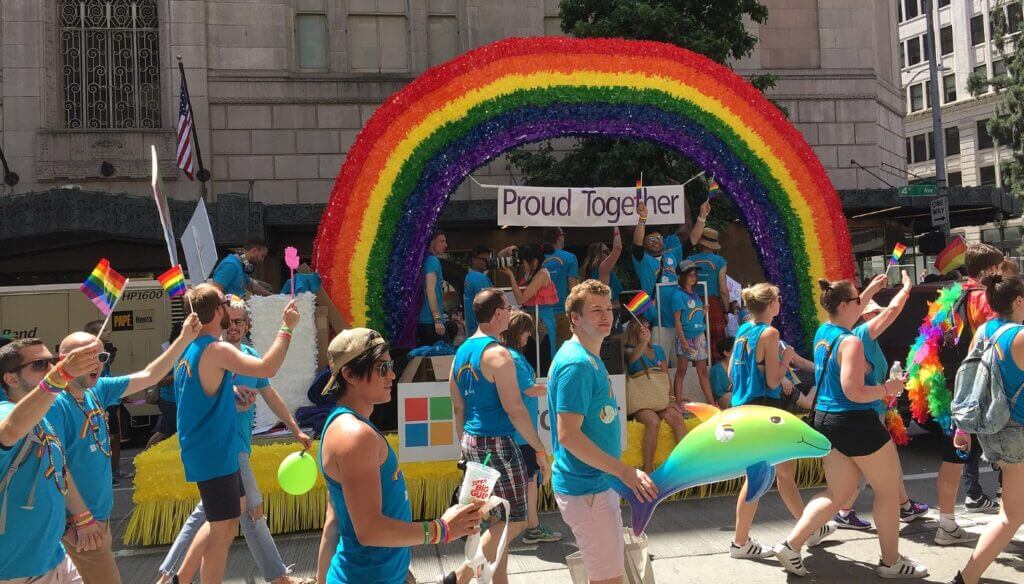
[1007, 124]
[714, 28]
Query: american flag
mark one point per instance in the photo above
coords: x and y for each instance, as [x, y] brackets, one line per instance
[185, 134]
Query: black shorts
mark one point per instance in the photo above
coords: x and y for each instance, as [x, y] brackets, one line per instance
[168, 424]
[767, 401]
[949, 453]
[853, 433]
[114, 420]
[222, 496]
[529, 460]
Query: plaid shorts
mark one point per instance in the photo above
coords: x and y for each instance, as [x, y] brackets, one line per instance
[506, 459]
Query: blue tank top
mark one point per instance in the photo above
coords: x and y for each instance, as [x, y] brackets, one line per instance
[354, 563]
[638, 365]
[831, 397]
[484, 414]
[206, 424]
[1013, 377]
[748, 382]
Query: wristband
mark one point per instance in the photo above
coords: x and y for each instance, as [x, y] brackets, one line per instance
[50, 389]
[81, 526]
[444, 530]
[701, 219]
[81, 516]
[426, 532]
[64, 374]
[83, 519]
[286, 329]
[285, 336]
[960, 432]
[60, 383]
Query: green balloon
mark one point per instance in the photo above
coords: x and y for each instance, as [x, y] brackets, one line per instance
[297, 473]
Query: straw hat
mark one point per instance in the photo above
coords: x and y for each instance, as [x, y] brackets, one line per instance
[709, 239]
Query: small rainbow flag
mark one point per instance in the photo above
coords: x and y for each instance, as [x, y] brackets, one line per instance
[173, 281]
[897, 253]
[640, 303]
[639, 189]
[952, 256]
[104, 286]
[713, 189]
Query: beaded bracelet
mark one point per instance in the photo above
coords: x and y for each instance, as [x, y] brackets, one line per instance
[426, 532]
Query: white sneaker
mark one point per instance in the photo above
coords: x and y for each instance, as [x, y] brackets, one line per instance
[956, 537]
[790, 559]
[751, 551]
[903, 568]
[823, 532]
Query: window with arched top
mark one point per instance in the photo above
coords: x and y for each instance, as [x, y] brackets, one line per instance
[110, 68]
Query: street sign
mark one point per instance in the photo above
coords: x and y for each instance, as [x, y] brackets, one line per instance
[940, 211]
[918, 190]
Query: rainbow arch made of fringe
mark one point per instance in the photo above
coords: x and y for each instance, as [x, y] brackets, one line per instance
[422, 142]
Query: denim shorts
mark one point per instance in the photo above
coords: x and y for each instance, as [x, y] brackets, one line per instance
[1006, 445]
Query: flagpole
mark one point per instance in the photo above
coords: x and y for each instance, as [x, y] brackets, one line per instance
[112, 307]
[203, 175]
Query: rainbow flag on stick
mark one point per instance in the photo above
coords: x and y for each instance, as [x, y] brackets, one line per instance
[639, 188]
[104, 287]
[640, 303]
[173, 281]
[897, 253]
[713, 189]
[952, 256]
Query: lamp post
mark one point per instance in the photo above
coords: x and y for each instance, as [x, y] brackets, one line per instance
[938, 146]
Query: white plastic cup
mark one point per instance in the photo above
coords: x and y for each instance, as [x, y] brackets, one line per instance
[478, 483]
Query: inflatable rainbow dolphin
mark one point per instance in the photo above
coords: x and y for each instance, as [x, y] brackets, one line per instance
[747, 440]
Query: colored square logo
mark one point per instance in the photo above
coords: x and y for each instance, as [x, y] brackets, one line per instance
[441, 433]
[416, 409]
[440, 408]
[416, 435]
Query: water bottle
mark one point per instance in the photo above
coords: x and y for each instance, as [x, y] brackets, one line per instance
[895, 372]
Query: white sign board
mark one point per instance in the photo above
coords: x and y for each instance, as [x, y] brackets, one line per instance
[199, 246]
[588, 206]
[940, 211]
[426, 424]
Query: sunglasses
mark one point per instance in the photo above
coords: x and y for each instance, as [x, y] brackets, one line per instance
[854, 299]
[39, 365]
[385, 367]
[239, 321]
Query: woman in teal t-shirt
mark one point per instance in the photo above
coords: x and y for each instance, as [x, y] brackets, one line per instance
[643, 355]
[691, 343]
[369, 527]
[600, 264]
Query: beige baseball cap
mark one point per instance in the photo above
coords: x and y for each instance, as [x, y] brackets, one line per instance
[346, 346]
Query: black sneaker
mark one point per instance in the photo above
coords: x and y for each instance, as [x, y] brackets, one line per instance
[958, 579]
[982, 504]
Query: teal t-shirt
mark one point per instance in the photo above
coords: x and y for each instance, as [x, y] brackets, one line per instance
[245, 420]
[30, 545]
[231, 276]
[708, 267]
[877, 368]
[719, 379]
[578, 383]
[562, 265]
[690, 307]
[658, 361]
[662, 270]
[475, 282]
[86, 442]
[432, 265]
[526, 380]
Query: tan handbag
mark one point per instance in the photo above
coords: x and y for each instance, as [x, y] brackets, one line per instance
[637, 562]
[647, 390]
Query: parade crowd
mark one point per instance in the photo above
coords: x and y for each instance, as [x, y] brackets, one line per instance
[55, 447]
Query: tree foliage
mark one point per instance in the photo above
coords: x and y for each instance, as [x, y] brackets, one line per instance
[1007, 124]
[714, 28]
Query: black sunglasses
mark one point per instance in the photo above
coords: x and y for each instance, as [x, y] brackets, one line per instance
[39, 365]
[854, 299]
[239, 321]
[385, 367]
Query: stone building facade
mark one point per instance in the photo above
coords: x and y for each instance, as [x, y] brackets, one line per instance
[280, 88]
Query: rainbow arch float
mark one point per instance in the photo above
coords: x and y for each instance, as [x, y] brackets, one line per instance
[422, 142]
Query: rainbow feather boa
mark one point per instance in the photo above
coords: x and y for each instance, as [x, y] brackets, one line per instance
[926, 384]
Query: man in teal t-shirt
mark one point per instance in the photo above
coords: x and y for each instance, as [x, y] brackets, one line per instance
[656, 271]
[33, 507]
[564, 268]
[433, 326]
[79, 412]
[584, 411]
[476, 280]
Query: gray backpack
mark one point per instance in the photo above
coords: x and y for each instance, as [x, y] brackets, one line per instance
[979, 403]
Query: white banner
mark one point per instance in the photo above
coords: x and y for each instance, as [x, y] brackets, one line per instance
[521, 206]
